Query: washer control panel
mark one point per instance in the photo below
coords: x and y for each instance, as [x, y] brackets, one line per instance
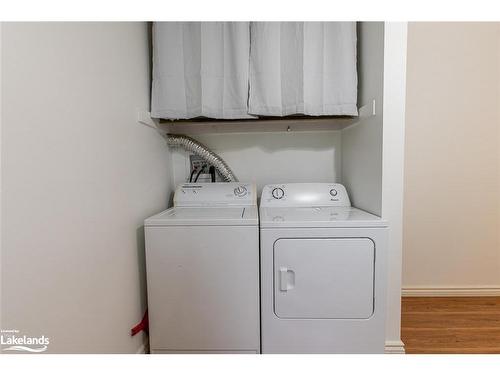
[304, 195]
[215, 194]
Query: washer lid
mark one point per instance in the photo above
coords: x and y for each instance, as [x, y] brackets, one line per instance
[317, 217]
[192, 216]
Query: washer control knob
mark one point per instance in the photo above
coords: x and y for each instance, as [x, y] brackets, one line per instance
[240, 191]
[333, 192]
[278, 193]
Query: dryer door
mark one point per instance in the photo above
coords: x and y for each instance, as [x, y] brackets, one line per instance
[324, 278]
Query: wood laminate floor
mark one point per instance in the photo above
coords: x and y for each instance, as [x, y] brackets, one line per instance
[451, 324]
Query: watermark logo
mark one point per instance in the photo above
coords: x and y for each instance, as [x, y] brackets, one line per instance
[12, 340]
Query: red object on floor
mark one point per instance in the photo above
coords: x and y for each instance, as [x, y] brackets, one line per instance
[142, 326]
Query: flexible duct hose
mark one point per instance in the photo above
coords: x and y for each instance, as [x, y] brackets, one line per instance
[204, 152]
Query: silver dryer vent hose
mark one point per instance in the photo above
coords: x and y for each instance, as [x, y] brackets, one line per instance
[202, 151]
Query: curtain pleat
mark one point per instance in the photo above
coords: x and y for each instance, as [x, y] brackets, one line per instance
[303, 68]
[200, 69]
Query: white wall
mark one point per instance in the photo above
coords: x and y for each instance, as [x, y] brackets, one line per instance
[266, 158]
[452, 201]
[362, 142]
[79, 175]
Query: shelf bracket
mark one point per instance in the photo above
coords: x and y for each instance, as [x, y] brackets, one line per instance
[144, 118]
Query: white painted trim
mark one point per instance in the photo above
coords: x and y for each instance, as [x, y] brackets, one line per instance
[451, 291]
[394, 347]
[395, 37]
[144, 348]
[1, 131]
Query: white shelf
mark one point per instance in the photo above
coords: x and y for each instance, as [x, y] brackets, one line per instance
[258, 125]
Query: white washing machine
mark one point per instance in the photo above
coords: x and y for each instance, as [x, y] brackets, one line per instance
[323, 272]
[202, 261]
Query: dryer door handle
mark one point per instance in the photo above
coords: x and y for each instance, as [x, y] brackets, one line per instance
[287, 279]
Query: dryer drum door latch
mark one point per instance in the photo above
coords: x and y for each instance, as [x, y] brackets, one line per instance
[287, 279]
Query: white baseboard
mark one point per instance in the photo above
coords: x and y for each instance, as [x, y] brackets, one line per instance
[452, 291]
[394, 347]
[144, 348]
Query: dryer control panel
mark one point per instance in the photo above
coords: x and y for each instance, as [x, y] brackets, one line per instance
[304, 195]
[215, 194]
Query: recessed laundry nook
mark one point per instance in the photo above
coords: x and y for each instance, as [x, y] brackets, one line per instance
[249, 187]
[253, 178]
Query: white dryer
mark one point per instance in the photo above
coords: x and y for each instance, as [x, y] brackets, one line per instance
[323, 272]
[202, 262]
